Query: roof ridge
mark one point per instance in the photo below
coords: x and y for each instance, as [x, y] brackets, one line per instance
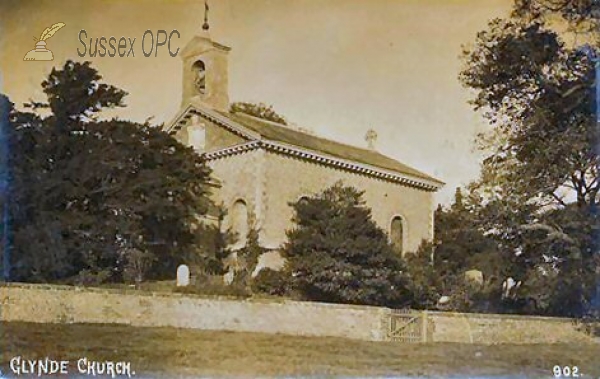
[258, 129]
[295, 129]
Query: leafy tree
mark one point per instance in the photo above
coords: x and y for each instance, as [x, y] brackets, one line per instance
[539, 189]
[87, 192]
[461, 244]
[537, 93]
[582, 15]
[260, 110]
[426, 285]
[336, 252]
[248, 256]
[213, 247]
[271, 282]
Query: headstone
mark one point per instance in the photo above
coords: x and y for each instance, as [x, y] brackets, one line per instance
[183, 276]
[508, 286]
[444, 300]
[228, 277]
[474, 276]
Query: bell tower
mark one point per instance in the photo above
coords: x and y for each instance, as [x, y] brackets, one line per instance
[205, 70]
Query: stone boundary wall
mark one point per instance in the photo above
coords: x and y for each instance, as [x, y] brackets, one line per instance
[65, 304]
[493, 329]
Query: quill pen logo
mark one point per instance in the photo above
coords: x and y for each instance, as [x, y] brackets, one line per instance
[40, 53]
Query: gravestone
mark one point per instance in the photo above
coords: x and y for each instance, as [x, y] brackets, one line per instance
[474, 277]
[183, 276]
[228, 277]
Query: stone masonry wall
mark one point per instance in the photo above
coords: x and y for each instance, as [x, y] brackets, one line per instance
[63, 304]
[489, 328]
[288, 179]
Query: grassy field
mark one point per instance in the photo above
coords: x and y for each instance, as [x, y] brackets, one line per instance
[169, 352]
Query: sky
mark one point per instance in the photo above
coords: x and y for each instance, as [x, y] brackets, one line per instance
[337, 67]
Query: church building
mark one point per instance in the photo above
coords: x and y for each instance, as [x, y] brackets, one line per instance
[261, 166]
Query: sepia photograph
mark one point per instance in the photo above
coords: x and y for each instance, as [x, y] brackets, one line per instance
[300, 188]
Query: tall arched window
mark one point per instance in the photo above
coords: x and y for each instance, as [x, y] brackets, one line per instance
[199, 76]
[397, 234]
[239, 222]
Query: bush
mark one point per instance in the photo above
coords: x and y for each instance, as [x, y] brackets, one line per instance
[214, 286]
[271, 282]
[89, 278]
[426, 284]
[338, 254]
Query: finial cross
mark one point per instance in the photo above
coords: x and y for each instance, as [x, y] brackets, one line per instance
[205, 26]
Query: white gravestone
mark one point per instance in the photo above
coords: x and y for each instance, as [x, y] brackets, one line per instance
[183, 276]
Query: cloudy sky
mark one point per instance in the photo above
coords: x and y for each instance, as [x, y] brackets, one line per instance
[338, 67]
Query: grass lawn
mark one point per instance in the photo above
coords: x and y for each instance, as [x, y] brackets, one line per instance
[170, 352]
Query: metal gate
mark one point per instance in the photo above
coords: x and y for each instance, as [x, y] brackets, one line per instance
[408, 326]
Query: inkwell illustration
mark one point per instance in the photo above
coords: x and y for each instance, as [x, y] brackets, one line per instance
[40, 53]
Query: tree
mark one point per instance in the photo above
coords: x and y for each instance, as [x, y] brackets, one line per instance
[86, 192]
[248, 256]
[537, 92]
[582, 15]
[336, 252]
[426, 285]
[260, 110]
[461, 244]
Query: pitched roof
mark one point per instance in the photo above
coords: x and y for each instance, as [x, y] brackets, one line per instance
[280, 133]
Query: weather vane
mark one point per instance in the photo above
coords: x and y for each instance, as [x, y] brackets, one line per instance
[205, 26]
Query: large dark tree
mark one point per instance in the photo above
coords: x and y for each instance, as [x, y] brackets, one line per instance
[539, 190]
[92, 198]
[461, 244]
[336, 252]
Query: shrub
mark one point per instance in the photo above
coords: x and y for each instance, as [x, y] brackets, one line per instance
[214, 286]
[271, 282]
[338, 254]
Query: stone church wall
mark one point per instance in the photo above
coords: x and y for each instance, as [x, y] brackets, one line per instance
[216, 137]
[241, 179]
[288, 179]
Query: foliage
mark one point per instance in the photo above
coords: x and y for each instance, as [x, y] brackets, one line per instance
[438, 269]
[213, 248]
[248, 256]
[260, 110]
[271, 282]
[85, 192]
[426, 283]
[537, 197]
[582, 15]
[461, 243]
[214, 286]
[558, 262]
[537, 93]
[337, 253]
[137, 264]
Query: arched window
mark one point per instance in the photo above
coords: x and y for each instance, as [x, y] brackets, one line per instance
[397, 234]
[199, 76]
[239, 222]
